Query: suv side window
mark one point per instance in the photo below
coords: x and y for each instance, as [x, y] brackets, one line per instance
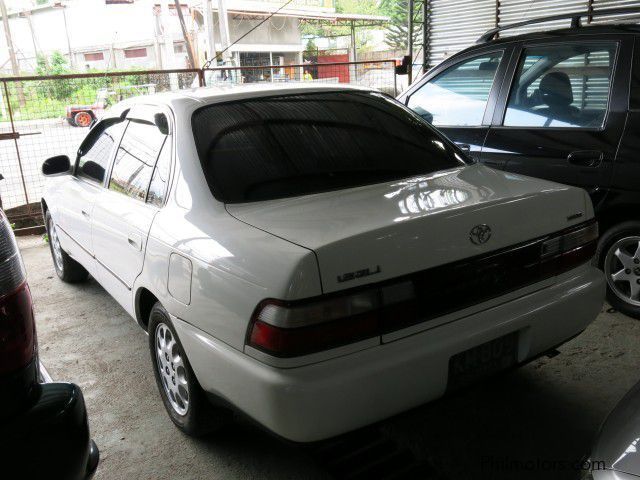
[458, 96]
[562, 86]
[135, 159]
[95, 151]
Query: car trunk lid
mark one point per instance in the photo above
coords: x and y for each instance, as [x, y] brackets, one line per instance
[376, 232]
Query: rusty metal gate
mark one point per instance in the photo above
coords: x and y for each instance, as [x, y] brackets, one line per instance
[42, 116]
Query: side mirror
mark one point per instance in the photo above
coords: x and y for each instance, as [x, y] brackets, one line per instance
[58, 165]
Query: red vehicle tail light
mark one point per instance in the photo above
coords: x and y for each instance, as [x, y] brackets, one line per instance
[570, 249]
[17, 325]
[287, 329]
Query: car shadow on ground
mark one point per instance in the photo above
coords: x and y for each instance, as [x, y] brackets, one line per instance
[514, 425]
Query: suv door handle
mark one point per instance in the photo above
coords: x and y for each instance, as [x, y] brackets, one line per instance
[586, 158]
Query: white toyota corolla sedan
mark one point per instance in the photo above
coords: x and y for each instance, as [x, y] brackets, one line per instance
[316, 257]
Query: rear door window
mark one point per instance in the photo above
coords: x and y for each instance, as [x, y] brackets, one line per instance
[282, 146]
[562, 86]
[135, 159]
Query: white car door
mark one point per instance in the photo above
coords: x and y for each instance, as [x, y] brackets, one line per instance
[78, 196]
[123, 212]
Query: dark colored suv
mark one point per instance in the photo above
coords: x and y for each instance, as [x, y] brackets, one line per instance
[563, 105]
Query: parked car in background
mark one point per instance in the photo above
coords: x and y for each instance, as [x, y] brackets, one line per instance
[44, 431]
[615, 454]
[289, 263]
[563, 105]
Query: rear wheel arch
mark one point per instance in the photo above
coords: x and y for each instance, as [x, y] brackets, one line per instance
[614, 216]
[144, 302]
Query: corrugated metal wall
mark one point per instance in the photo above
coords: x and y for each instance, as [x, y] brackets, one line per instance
[456, 24]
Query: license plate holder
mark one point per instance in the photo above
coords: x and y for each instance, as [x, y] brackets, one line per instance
[483, 360]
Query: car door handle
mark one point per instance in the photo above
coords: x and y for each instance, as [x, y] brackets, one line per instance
[135, 241]
[85, 214]
[586, 158]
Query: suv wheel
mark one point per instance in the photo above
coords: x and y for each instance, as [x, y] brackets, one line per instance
[66, 267]
[619, 257]
[182, 395]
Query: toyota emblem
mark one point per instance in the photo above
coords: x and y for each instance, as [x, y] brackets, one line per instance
[480, 234]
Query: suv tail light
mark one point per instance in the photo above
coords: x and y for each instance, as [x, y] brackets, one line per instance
[17, 325]
[301, 327]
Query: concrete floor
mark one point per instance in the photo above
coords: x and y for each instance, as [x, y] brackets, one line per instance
[547, 411]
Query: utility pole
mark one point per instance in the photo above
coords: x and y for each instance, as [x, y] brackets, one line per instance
[208, 26]
[66, 31]
[168, 42]
[223, 21]
[36, 50]
[15, 69]
[185, 34]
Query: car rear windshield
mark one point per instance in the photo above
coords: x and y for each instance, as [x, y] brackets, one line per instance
[291, 145]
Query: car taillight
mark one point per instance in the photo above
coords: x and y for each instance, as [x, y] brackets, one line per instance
[17, 325]
[287, 329]
[569, 249]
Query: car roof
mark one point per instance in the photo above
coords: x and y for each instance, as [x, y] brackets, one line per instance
[201, 96]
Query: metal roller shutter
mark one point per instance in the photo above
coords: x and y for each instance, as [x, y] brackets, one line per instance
[602, 4]
[456, 24]
[514, 11]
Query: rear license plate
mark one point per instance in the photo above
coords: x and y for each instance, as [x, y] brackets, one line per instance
[486, 359]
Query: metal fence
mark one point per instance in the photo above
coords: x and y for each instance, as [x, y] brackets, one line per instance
[45, 116]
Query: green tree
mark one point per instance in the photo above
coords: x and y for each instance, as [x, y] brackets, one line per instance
[397, 36]
[55, 65]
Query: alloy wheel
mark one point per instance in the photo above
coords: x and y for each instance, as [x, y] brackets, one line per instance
[622, 269]
[173, 373]
[55, 245]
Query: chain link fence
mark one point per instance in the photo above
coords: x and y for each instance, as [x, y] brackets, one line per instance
[45, 116]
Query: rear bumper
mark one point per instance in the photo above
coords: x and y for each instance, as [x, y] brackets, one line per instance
[324, 399]
[51, 439]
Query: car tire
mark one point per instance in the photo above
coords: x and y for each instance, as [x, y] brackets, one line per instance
[82, 119]
[66, 267]
[620, 288]
[184, 399]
